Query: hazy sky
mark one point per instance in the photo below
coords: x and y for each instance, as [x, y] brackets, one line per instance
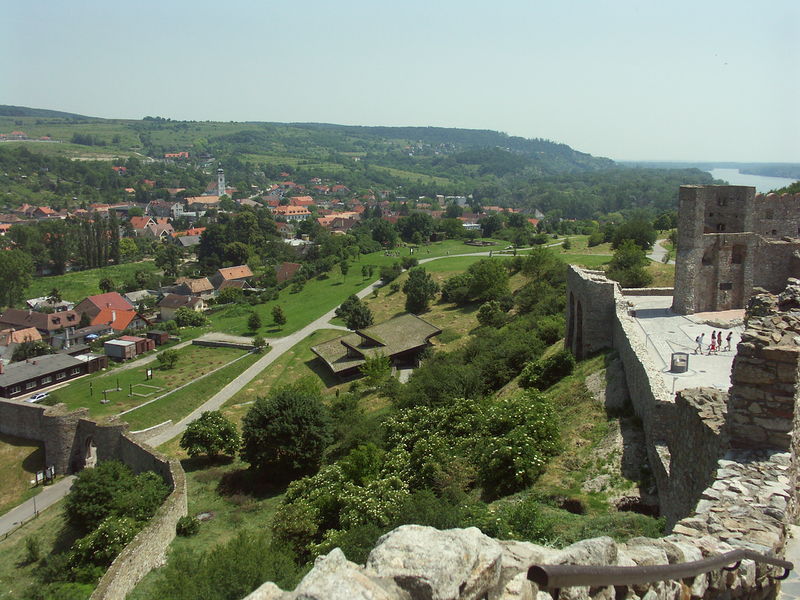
[676, 80]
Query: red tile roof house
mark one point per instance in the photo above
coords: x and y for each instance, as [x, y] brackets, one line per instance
[292, 213]
[201, 287]
[111, 309]
[139, 224]
[159, 231]
[285, 271]
[301, 201]
[239, 273]
[48, 324]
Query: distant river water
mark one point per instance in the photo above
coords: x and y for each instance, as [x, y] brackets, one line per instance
[761, 183]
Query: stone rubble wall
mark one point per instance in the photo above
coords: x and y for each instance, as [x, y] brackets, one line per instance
[148, 549]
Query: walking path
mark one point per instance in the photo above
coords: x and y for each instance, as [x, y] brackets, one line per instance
[31, 507]
[658, 253]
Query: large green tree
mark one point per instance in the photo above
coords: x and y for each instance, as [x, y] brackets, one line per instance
[420, 289]
[16, 274]
[284, 434]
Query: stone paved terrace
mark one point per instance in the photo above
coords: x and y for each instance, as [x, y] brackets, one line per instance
[668, 332]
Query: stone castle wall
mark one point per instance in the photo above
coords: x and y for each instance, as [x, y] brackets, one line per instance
[70, 440]
[730, 241]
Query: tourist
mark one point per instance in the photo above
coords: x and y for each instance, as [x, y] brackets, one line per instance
[728, 341]
[712, 348]
[699, 341]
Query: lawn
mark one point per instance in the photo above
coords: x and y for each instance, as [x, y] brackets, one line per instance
[193, 362]
[182, 402]
[323, 293]
[20, 459]
[77, 285]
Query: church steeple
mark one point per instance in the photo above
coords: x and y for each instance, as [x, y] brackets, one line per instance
[220, 182]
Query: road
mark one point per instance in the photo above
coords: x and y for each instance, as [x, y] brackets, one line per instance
[47, 497]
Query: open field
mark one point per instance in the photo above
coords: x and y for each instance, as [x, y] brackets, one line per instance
[180, 403]
[193, 362]
[77, 285]
[20, 459]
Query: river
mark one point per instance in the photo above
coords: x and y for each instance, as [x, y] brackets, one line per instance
[761, 183]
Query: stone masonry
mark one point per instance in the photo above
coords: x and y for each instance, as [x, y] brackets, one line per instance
[730, 241]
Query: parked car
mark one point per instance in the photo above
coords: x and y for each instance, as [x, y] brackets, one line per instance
[38, 397]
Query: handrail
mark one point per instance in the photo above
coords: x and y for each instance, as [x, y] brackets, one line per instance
[558, 576]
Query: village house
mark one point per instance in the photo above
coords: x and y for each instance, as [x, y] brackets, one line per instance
[201, 287]
[239, 273]
[170, 304]
[291, 213]
[28, 376]
[286, 271]
[47, 324]
[10, 339]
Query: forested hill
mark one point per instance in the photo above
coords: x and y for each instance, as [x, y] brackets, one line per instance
[7, 110]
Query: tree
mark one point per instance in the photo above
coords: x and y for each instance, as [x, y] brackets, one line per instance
[628, 265]
[489, 280]
[376, 369]
[55, 296]
[106, 284]
[490, 314]
[278, 316]
[344, 267]
[355, 313]
[186, 317]
[16, 273]
[168, 258]
[420, 289]
[254, 322]
[285, 434]
[30, 350]
[639, 230]
[168, 358]
[211, 434]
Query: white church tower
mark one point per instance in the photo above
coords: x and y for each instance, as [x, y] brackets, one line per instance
[220, 182]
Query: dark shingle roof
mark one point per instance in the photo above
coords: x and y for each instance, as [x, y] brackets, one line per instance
[41, 365]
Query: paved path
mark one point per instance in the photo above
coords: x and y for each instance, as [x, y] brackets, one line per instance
[658, 253]
[46, 498]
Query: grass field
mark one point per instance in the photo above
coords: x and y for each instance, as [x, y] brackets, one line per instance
[182, 402]
[88, 391]
[20, 459]
[321, 294]
[77, 285]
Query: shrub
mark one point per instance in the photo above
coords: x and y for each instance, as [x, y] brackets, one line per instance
[408, 261]
[491, 315]
[278, 316]
[356, 314]
[167, 359]
[543, 373]
[254, 322]
[187, 526]
[420, 289]
[33, 549]
[211, 434]
[390, 273]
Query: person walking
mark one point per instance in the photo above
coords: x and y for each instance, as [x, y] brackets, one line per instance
[699, 341]
[712, 348]
[728, 341]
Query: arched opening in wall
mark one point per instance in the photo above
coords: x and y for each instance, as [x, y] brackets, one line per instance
[578, 330]
[90, 454]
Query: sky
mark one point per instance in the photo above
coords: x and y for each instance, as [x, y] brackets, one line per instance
[699, 80]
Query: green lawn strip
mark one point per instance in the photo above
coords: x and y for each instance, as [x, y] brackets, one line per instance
[321, 294]
[20, 459]
[240, 510]
[177, 405]
[87, 392]
[77, 285]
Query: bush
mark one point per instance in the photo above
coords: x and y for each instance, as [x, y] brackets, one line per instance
[356, 314]
[186, 317]
[545, 372]
[408, 261]
[254, 322]
[230, 295]
[33, 549]
[491, 315]
[420, 289]
[187, 526]
[390, 273]
[167, 359]
[211, 434]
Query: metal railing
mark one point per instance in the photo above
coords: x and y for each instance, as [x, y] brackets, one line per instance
[555, 577]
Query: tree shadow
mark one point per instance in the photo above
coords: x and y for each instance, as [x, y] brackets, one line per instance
[249, 482]
[200, 463]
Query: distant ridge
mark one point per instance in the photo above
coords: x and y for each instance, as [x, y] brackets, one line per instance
[7, 110]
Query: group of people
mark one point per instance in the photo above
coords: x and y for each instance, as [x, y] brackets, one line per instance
[716, 342]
